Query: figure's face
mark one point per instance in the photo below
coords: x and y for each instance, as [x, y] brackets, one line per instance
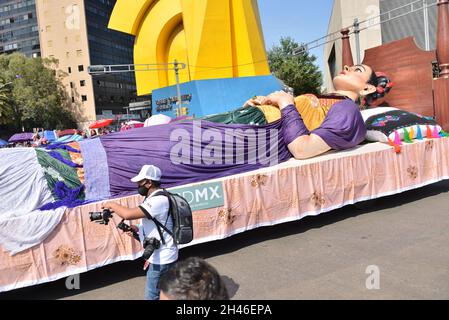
[353, 79]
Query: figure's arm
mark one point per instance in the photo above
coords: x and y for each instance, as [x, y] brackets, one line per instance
[301, 143]
[306, 147]
[124, 212]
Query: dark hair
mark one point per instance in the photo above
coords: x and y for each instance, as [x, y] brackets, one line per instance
[383, 85]
[193, 279]
[156, 184]
[373, 79]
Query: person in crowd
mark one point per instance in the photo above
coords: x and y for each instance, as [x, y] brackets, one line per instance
[43, 141]
[193, 279]
[163, 258]
[36, 140]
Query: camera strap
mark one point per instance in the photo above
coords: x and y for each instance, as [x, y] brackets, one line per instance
[158, 224]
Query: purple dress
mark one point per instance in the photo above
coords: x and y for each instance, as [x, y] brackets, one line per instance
[343, 128]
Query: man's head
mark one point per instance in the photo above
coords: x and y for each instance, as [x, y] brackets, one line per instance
[192, 279]
[148, 179]
[360, 79]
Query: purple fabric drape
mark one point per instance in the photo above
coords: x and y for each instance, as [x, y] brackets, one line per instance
[189, 152]
[59, 157]
[67, 197]
[96, 172]
[62, 146]
[196, 151]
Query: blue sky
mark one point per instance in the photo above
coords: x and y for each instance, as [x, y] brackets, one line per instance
[303, 20]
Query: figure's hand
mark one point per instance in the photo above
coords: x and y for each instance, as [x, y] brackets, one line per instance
[257, 101]
[281, 99]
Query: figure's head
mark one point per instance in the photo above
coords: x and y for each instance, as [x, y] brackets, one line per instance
[384, 86]
[193, 279]
[362, 79]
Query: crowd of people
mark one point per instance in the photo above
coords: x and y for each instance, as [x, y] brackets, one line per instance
[97, 132]
[39, 140]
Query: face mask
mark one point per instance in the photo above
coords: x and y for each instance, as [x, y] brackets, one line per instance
[143, 191]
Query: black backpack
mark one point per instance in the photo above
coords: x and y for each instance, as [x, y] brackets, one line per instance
[182, 218]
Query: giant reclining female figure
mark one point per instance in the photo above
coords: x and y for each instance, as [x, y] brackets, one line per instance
[190, 152]
[197, 151]
[342, 125]
[187, 152]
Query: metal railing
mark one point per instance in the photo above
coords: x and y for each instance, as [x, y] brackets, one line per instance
[96, 70]
[385, 17]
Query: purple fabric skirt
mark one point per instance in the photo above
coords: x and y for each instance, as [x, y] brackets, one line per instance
[190, 152]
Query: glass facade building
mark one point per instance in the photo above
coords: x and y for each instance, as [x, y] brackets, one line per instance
[19, 27]
[109, 47]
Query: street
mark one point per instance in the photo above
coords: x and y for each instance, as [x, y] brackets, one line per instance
[394, 248]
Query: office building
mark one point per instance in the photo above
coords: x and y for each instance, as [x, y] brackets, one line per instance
[19, 27]
[75, 32]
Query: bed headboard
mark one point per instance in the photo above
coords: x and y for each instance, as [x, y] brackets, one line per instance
[410, 68]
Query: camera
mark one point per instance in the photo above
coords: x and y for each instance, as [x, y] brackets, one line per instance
[101, 217]
[126, 228]
[150, 244]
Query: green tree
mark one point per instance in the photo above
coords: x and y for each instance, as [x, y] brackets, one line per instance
[297, 71]
[6, 110]
[38, 98]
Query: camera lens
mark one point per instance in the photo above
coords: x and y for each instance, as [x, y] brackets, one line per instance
[150, 245]
[96, 216]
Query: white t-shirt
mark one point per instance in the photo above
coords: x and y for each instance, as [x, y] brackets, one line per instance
[158, 208]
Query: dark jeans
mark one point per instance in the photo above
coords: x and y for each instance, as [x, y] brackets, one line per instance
[155, 272]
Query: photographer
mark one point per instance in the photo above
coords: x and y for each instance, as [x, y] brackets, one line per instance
[163, 252]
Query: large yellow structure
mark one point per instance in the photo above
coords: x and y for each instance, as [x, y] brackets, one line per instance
[214, 38]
